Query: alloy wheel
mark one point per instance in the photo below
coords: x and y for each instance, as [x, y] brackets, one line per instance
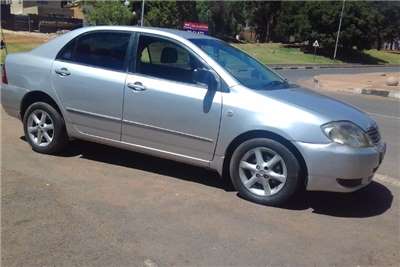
[262, 171]
[40, 128]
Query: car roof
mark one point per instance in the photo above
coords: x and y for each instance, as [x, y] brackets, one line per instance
[51, 48]
[184, 34]
[180, 33]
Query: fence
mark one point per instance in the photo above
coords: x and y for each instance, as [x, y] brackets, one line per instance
[40, 23]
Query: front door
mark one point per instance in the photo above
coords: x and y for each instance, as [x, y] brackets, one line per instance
[164, 109]
[89, 77]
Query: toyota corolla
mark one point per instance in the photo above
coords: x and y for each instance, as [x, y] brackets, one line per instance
[190, 98]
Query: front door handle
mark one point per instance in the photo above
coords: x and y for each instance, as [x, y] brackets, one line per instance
[63, 72]
[137, 86]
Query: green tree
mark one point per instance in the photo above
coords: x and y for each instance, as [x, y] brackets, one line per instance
[364, 25]
[386, 18]
[161, 14]
[225, 18]
[293, 22]
[107, 13]
[186, 11]
[263, 15]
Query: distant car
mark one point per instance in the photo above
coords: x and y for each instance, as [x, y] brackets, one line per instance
[191, 98]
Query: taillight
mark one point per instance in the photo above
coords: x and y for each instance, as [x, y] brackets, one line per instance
[4, 74]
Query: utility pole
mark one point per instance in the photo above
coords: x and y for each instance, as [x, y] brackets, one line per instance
[338, 32]
[142, 16]
[3, 41]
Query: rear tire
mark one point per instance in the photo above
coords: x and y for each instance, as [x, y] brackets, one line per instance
[265, 171]
[44, 128]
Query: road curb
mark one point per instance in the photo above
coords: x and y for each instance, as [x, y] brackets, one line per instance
[326, 66]
[379, 92]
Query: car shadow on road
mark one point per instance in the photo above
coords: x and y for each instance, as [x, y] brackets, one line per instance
[370, 201]
[373, 200]
[135, 160]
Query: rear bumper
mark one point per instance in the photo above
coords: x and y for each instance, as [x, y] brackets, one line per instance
[11, 97]
[338, 168]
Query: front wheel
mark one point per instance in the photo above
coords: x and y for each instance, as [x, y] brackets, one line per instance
[44, 128]
[264, 171]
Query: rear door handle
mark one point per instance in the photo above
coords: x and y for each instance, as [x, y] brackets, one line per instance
[137, 86]
[63, 72]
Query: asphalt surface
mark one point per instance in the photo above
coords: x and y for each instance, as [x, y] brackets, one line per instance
[100, 206]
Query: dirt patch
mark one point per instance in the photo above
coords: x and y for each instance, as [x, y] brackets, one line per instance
[26, 37]
[352, 82]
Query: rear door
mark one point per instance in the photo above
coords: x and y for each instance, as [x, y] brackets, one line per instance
[89, 76]
[165, 110]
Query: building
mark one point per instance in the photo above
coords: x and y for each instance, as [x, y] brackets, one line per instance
[42, 8]
[42, 16]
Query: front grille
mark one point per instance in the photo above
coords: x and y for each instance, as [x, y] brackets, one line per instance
[373, 133]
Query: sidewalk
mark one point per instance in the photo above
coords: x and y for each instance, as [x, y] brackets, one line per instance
[366, 83]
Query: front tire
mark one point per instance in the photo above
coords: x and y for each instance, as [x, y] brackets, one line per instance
[265, 171]
[44, 128]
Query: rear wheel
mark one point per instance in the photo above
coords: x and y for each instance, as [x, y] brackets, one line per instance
[264, 171]
[44, 128]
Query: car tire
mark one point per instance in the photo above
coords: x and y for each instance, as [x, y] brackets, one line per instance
[43, 121]
[270, 179]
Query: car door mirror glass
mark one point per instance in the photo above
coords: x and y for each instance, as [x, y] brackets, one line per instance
[206, 77]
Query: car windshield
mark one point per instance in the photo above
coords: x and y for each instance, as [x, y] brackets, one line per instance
[241, 66]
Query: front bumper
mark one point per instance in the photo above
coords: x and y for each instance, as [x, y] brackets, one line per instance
[338, 168]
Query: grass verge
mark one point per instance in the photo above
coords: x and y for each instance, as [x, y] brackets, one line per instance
[274, 53]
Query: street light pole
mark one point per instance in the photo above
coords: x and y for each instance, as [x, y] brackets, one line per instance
[142, 16]
[338, 32]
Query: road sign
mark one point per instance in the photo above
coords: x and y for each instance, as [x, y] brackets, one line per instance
[315, 45]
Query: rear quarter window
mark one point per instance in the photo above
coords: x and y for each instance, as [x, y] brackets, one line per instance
[67, 51]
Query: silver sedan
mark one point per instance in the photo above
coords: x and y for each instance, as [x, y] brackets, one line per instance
[190, 98]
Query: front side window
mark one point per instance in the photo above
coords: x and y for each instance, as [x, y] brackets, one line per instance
[99, 49]
[241, 66]
[165, 59]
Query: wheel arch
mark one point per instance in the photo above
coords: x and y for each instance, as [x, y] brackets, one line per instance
[266, 134]
[37, 96]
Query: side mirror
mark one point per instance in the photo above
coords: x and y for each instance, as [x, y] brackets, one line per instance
[2, 44]
[207, 77]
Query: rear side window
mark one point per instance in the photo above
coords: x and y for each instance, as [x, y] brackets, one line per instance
[99, 49]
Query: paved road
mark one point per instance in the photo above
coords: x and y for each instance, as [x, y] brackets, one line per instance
[99, 206]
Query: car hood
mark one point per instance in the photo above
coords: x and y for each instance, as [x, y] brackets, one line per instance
[320, 105]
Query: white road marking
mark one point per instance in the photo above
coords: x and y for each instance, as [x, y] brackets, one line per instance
[387, 179]
[385, 116]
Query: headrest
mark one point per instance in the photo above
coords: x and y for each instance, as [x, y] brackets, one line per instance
[169, 55]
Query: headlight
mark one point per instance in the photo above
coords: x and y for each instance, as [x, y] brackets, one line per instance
[346, 133]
